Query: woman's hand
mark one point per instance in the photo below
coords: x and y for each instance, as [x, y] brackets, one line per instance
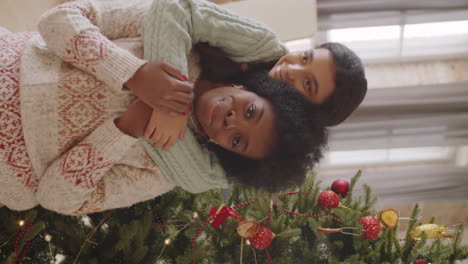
[162, 87]
[163, 130]
[133, 122]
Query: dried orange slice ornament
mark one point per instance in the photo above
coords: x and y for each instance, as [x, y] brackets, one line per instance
[329, 230]
[248, 229]
[389, 218]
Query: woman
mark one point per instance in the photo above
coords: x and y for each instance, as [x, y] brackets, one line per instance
[63, 145]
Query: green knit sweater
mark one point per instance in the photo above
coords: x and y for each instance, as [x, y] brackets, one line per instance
[170, 30]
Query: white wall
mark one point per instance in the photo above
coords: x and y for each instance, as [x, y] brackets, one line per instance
[290, 19]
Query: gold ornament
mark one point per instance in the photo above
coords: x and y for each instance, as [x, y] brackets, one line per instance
[248, 229]
[48, 238]
[431, 230]
[389, 218]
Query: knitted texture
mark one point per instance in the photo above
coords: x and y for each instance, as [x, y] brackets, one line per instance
[70, 91]
[171, 28]
[18, 180]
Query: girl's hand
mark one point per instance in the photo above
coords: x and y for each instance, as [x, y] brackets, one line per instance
[163, 130]
[162, 87]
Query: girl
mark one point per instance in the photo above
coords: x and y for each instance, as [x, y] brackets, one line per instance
[330, 77]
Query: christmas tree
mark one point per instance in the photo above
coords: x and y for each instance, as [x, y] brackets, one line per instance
[308, 225]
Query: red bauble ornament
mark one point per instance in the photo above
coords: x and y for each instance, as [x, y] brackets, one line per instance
[371, 226]
[420, 261]
[340, 187]
[262, 239]
[328, 200]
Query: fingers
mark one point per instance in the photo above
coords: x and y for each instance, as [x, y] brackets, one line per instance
[185, 87]
[159, 139]
[151, 127]
[168, 111]
[169, 143]
[149, 132]
[185, 98]
[182, 133]
[174, 72]
[176, 106]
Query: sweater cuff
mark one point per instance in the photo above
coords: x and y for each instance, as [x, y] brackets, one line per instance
[112, 142]
[119, 67]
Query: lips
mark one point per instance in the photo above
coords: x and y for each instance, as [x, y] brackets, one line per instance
[212, 111]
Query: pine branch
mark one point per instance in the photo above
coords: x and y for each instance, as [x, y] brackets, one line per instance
[355, 178]
[456, 243]
[418, 247]
[91, 234]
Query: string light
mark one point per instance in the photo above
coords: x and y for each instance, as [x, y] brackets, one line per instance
[48, 238]
[247, 242]
[21, 222]
[167, 241]
[195, 215]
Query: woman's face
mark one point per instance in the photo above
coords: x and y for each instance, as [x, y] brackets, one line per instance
[311, 72]
[238, 120]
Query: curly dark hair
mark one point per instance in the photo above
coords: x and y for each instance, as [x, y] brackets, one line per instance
[301, 138]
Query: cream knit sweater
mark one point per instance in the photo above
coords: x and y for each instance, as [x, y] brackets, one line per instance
[71, 79]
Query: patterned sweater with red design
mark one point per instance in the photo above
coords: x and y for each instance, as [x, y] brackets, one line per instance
[71, 80]
[60, 92]
[70, 84]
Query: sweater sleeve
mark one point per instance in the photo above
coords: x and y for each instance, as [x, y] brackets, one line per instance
[171, 27]
[76, 177]
[243, 39]
[80, 33]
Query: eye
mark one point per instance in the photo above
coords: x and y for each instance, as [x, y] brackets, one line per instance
[308, 86]
[236, 141]
[305, 57]
[250, 111]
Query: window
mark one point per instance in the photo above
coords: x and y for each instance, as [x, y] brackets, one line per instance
[448, 39]
[388, 156]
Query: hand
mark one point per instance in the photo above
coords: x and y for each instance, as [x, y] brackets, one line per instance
[162, 86]
[133, 122]
[164, 130]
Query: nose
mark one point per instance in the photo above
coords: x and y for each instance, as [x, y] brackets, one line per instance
[230, 119]
[292, 72]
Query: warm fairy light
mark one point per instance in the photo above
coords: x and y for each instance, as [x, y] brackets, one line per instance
[167, 241]
[195, 215]
[48, 238]
[21, 222]
[247, 242]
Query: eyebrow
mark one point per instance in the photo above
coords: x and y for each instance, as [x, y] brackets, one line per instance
[259, 116]
[314, 80]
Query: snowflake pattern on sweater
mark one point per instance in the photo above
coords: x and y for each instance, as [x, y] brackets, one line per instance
[12, 145]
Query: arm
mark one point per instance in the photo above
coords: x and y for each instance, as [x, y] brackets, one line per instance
[105, 170]
[171, 27]
[80, 33]
[135, 178]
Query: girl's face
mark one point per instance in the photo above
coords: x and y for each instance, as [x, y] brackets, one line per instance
[311, 72]
[238, 120]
